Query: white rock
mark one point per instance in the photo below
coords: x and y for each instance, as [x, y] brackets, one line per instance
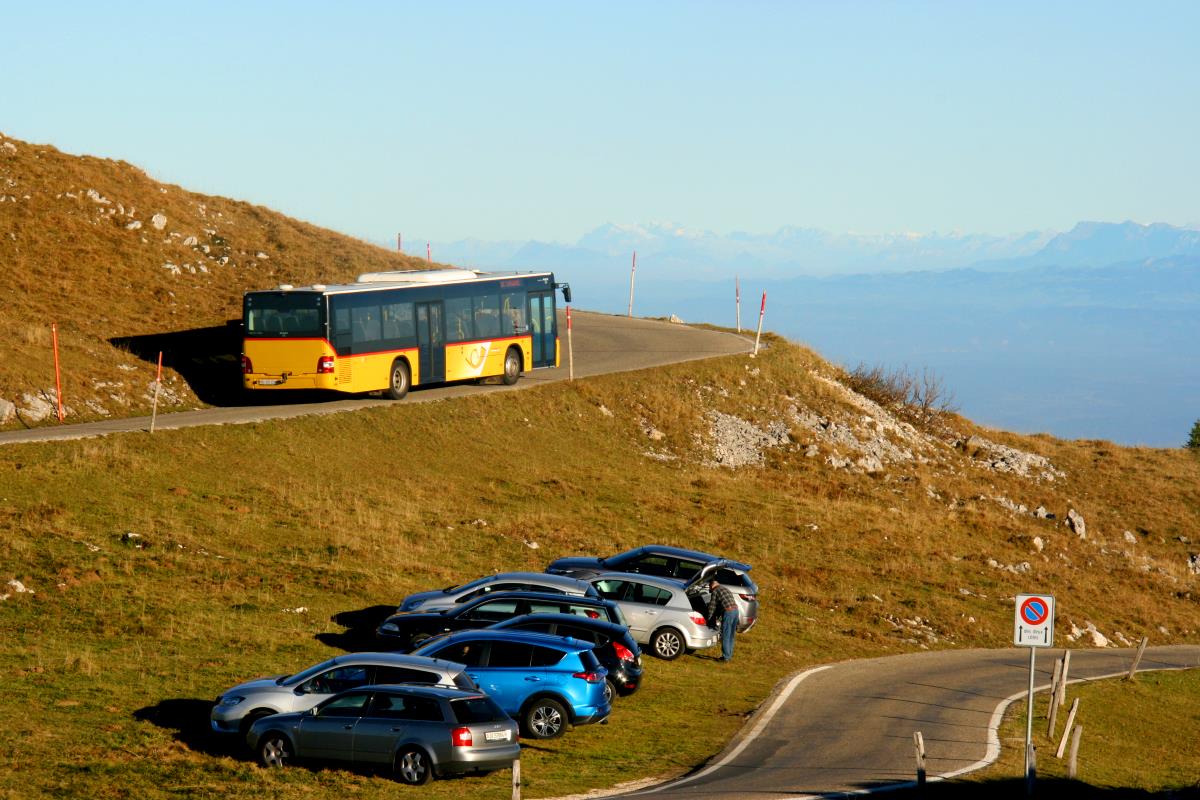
[159, 221]
[191, 241]
[1075, 523]
[1193, 563]
[532, 545]
[1129, 537]
[134, 226]
[605, 411]
[296, 610]
[35, 409]
[18, 587]
[10, 147]
[1038, 544]
[676, 320]
[261, 256]
[7, 410]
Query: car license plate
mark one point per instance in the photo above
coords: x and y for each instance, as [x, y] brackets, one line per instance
[269, 382]
[497, 736]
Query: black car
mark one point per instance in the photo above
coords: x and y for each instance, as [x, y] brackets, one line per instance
[615, 647]
[409, 629]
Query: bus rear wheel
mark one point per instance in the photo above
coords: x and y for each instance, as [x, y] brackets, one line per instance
[400, 380]
[512, 366]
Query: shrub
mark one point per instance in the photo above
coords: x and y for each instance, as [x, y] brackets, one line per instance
[920, 397]
[1193, 442]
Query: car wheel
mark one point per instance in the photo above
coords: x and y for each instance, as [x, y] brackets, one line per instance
[512, 366]
[610, 691]
[274, 750]
[412, 766]
[544, 719]
[667, 644]
[400, 380]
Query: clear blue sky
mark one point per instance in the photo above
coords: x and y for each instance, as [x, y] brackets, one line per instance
[512, 120]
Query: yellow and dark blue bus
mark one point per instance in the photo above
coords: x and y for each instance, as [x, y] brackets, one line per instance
[389, 331]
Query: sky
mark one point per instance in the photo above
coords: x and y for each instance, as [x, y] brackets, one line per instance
[524, 120]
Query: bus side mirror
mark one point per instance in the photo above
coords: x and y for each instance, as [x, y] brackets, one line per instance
[566, 290]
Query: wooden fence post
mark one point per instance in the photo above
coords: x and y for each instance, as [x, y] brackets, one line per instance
[1062, 682]
[1052, 704]
[919, 744]
[1138, 658]
[516, 768]
[1073, 763]
[1062, 745]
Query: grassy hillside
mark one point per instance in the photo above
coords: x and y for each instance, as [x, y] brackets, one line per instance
[79, 246]
[250, 538]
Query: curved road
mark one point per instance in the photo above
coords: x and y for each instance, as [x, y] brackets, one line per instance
[848, 727]
[602, 343]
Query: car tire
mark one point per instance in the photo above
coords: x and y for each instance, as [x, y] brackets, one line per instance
[512, 366]
[667, 644]
[413, 767]
[399, 380]
[275, 750]
[544, 718]
[610, 691]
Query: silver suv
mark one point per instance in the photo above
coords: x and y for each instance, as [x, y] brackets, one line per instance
[237, 708]
[659, 611]
[451, 596]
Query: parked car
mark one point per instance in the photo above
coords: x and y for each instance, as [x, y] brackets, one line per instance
[407, 630]
[546, 682]
[662, 613]
[672, 562]
[501, 582]
[613, 645]
[237, 708]
[420, 732]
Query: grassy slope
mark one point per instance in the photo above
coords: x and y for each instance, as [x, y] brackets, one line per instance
[112, 664]
[70, 259]
[116, 657]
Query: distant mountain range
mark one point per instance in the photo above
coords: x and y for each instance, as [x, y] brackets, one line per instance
[672, 251]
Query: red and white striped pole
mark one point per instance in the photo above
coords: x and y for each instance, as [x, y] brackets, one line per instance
[761, 311]
[157, 384]
[570, 349]
[737, 293]
[399, 243]
[57, 373]
[632, 272]
[428, 253]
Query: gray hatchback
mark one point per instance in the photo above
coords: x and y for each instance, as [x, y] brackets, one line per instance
[240, 706]
[420, 732]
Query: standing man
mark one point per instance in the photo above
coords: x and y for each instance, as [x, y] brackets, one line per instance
[722, 603]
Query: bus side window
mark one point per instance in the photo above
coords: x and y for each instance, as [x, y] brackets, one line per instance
[513, 308]
[458, 319]
[487, 316]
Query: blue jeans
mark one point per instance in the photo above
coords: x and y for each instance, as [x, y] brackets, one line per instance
[729, 624]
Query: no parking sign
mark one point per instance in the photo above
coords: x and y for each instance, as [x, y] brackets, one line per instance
[1034, 620]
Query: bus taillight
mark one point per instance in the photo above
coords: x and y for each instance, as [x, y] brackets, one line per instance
[247, 367]
[325, 365]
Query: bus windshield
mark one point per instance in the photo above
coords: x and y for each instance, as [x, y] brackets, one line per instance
[284, 314]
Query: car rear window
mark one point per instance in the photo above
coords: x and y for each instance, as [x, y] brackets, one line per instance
[469, 710]
[589, 660]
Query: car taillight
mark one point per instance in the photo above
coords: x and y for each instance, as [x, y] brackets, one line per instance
[247, 367]
[461, 737]
[749, 598]
[697, 618]
[324, 365]
[623, 652]
[590, 677]
[592, 614]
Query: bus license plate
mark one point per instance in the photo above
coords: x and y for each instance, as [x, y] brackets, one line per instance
[496, 736]
[270, 382]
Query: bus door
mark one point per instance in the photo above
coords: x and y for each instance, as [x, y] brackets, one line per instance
[543, 327]
[431, 358]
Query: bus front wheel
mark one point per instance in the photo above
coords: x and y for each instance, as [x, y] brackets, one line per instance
[512, 366]
[401, 379]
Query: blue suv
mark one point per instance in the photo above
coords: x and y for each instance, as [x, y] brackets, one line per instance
[547, 683]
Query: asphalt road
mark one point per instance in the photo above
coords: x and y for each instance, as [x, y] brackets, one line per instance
[849, 727]
[602, 343]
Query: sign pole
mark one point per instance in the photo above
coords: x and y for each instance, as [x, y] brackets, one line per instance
[570, 349]
[1033, 627]
[761, 311]
[737, 295]
[57, 373]
[632, 272]
[1029, 716]
[157, 383]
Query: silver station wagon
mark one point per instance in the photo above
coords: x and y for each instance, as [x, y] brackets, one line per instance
[237, 708]
[421, 732]
[500, 582]
[660, 612]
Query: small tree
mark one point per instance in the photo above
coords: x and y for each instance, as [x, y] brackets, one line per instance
[1193, 442]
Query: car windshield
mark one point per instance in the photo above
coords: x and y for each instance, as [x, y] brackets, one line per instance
[468, 586]
[301, 677]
